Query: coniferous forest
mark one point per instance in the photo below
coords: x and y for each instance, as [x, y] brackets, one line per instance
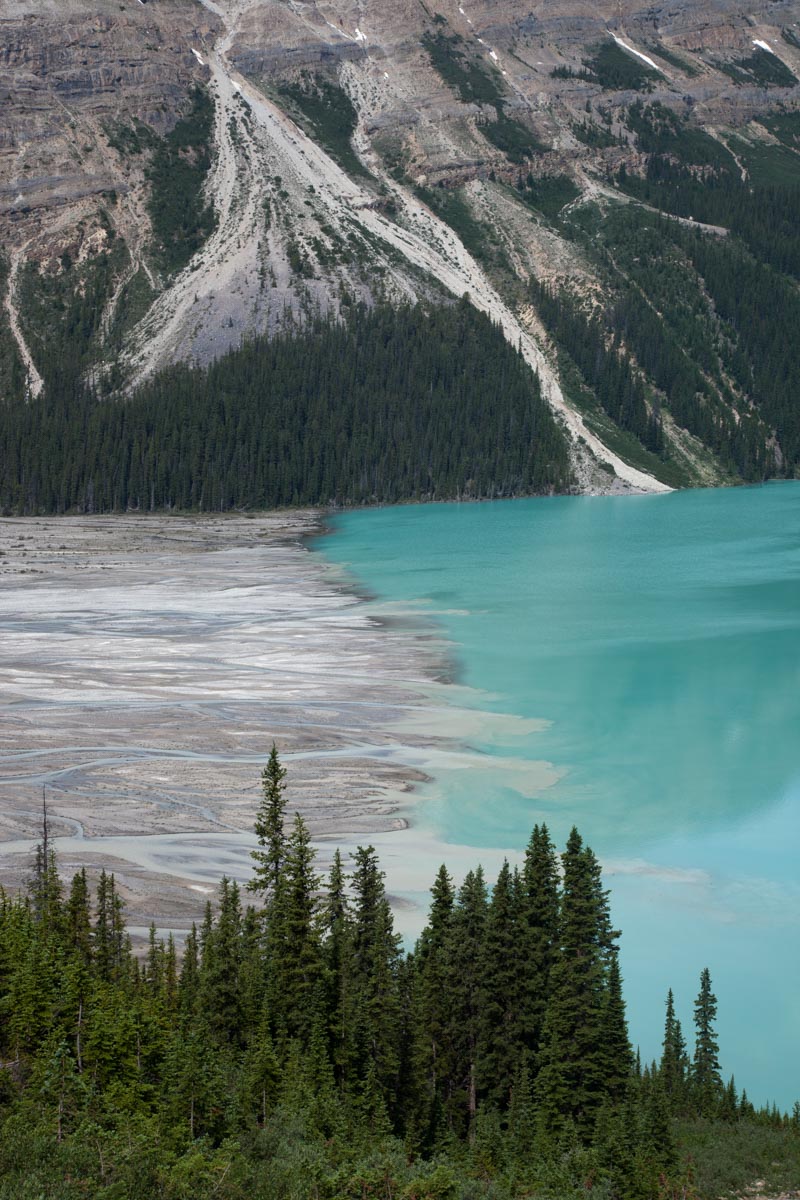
[420, 403]
[294, 1049]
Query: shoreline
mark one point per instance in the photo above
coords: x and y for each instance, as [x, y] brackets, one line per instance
[148, 663]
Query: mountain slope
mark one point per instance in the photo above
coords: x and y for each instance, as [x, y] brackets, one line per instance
[346, 153]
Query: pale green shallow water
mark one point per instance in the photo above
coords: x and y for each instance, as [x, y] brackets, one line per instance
[655, 641]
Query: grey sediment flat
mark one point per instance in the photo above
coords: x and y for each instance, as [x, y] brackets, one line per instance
[147, 663]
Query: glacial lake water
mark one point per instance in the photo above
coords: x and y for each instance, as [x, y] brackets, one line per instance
[632, 666]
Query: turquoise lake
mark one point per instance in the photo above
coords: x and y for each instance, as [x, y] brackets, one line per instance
[632, 666]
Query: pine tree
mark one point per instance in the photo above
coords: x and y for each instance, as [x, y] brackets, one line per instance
[170, 976]
[78, 917]
[269, 828]
[500, 1045]
[575, 1074]
[337, 953]
[154, 963]
[432, 1048]
[219, 994]
[195, 1084]
[617, 1064]
[111, 945]
[729, 1102]
[189, 980]
[464, 957]
[252, 971]
[60, 1086]
[706, 1077]
[45, 888]
[657, 1138]
[674, 1061]
[260, 1073]
[44, 885]
[522, 1125]
[538, 933]
[30, 991]
[294, 957]
[376, 959]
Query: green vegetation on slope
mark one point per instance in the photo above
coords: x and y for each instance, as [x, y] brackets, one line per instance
[706, 320]
[675, 60]
[452, 206]
[477, 84]
[326, 111]
[12, 370]
[420, 403]
[614, 69]
[667, 289]
[618, 390]
[296, 1053]
[659, 130]
[62, 312]
[549, 194]
[177, 172]
[761, 210]
[618, 71]
[760, 67]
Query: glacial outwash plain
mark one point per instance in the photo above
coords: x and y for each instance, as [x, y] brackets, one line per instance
[147, 665]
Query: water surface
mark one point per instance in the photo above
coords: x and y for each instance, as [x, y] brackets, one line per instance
[633, 667]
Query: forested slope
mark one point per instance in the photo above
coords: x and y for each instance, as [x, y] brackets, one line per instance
[417, 403]
[294, 1050]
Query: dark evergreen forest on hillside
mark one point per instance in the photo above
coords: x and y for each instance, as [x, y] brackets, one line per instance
[295, 1051]
[416, 403]
[694, 322]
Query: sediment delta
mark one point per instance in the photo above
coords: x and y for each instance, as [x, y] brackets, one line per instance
[147, 665]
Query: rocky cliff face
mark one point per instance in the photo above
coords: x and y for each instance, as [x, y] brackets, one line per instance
[357, 151]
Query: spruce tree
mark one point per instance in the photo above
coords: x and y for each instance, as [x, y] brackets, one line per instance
[111, 944]
[269, 827]
[617, 1057]
[294, 958]
[337, 954]
[706, 1077]
[78, 917]
[575, 1074]
[260, 1073]
[500, 1046]
[674, 1061]
[521, 1127]
[430, 997]
[538, 933]
[465, 961]
[376, 962]
[189, 979]
[219, 992]
[44, 885]
[251, 971]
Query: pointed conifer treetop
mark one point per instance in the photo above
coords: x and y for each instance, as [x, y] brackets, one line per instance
[44, 884]
[269, 827]
[585, 1055]
[706, 1077]
[674, 1062]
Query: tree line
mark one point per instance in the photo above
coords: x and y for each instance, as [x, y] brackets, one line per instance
[295, 1050]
